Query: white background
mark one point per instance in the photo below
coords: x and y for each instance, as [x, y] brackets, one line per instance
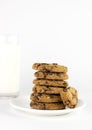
[58, 31]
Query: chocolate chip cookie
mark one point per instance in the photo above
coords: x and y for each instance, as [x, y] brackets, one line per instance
[60, 83]
[69, 97]
[45, 97]
[51, 75]
[47, 89]
[47, 106]
[49, 67]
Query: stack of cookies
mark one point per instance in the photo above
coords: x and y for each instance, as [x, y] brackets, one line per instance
[49, 87]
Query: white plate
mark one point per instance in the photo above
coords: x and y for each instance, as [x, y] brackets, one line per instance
[23, 104]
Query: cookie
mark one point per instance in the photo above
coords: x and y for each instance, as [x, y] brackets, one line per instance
[45, 97]
[51, 75]
[50, 82]
[46, 89]
[69, 97]
[47, 106]
[49, 67]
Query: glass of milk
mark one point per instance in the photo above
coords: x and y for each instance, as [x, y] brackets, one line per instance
[9, 66]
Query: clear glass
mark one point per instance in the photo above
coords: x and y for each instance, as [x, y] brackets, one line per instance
[9, 65]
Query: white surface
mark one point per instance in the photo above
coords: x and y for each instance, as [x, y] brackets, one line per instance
[9, 68]
[51, 31]
[15, 119]
[23, 103]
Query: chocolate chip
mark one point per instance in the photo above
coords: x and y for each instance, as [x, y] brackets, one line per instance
[64, 83]
[44, 69]
[68, 88]
[46, 83]
[34, 89]
[44, 64]
[44, 107]
[65, 89]
[50, 73]
[59, 74]
[37, 74]
[54, 64]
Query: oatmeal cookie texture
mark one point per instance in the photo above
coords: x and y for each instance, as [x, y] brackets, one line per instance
[50, 90]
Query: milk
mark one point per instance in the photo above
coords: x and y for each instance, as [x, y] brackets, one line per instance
[9, 69]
